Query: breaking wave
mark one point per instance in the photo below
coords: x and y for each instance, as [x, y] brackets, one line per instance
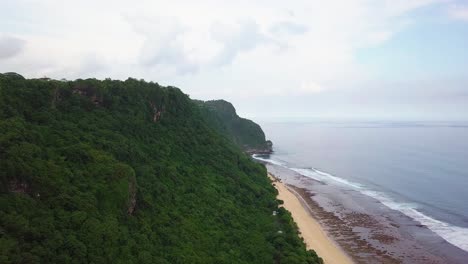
[455, 235]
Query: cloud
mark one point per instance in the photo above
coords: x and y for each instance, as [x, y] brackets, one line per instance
[308, 87]
[91, 65]
[10, 46]
[459, 12]
[170, 44]
[211, 49]
[163, 44]
[288, 28]
[245, 37]
[304, 37]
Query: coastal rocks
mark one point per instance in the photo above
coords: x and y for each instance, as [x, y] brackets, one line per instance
[268, 149]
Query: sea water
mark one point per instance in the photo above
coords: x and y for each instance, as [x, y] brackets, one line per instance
[417, 168]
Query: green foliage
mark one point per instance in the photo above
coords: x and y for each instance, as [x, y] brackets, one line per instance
[222, 116]
[129, 172]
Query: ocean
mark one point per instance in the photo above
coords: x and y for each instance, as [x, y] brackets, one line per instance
[419, 169]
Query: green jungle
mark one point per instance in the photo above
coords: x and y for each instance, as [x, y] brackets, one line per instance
[107, 171]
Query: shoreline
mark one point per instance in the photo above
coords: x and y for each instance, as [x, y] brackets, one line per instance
[314, 235]
[362, 227]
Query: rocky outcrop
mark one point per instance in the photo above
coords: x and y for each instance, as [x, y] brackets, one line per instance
[17, 186]
[266, 150]
[88, 91]
[132, 191]
[157, 112]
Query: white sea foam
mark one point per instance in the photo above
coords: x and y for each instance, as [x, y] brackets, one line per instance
[326, 177]
[275, 162]
[455, 235]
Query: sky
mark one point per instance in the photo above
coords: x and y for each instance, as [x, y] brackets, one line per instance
[296, 60]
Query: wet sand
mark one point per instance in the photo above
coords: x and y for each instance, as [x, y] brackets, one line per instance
[311, 231]
[364, 228]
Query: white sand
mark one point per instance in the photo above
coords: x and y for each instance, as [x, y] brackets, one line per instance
[313, 234]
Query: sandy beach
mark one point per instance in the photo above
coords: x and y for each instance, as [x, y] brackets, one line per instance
[343, 226]
[313, 234]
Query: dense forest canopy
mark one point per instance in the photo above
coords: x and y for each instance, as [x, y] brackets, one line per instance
[222, 116]
[129, 172]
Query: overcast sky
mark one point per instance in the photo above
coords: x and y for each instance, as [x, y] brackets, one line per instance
[274, 60]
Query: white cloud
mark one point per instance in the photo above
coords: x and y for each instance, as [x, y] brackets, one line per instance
[459, 12]
[310, 88]
[211, 49]
[288, 28]
[10, 46]
[246, 36]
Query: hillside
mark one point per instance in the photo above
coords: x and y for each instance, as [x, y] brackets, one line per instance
[130, 172]
[222, 115]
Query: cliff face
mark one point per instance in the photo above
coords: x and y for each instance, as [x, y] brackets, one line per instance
[131, 172]
[244, 132]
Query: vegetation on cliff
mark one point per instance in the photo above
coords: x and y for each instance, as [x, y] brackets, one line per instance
[222, 116]
[129, 172]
